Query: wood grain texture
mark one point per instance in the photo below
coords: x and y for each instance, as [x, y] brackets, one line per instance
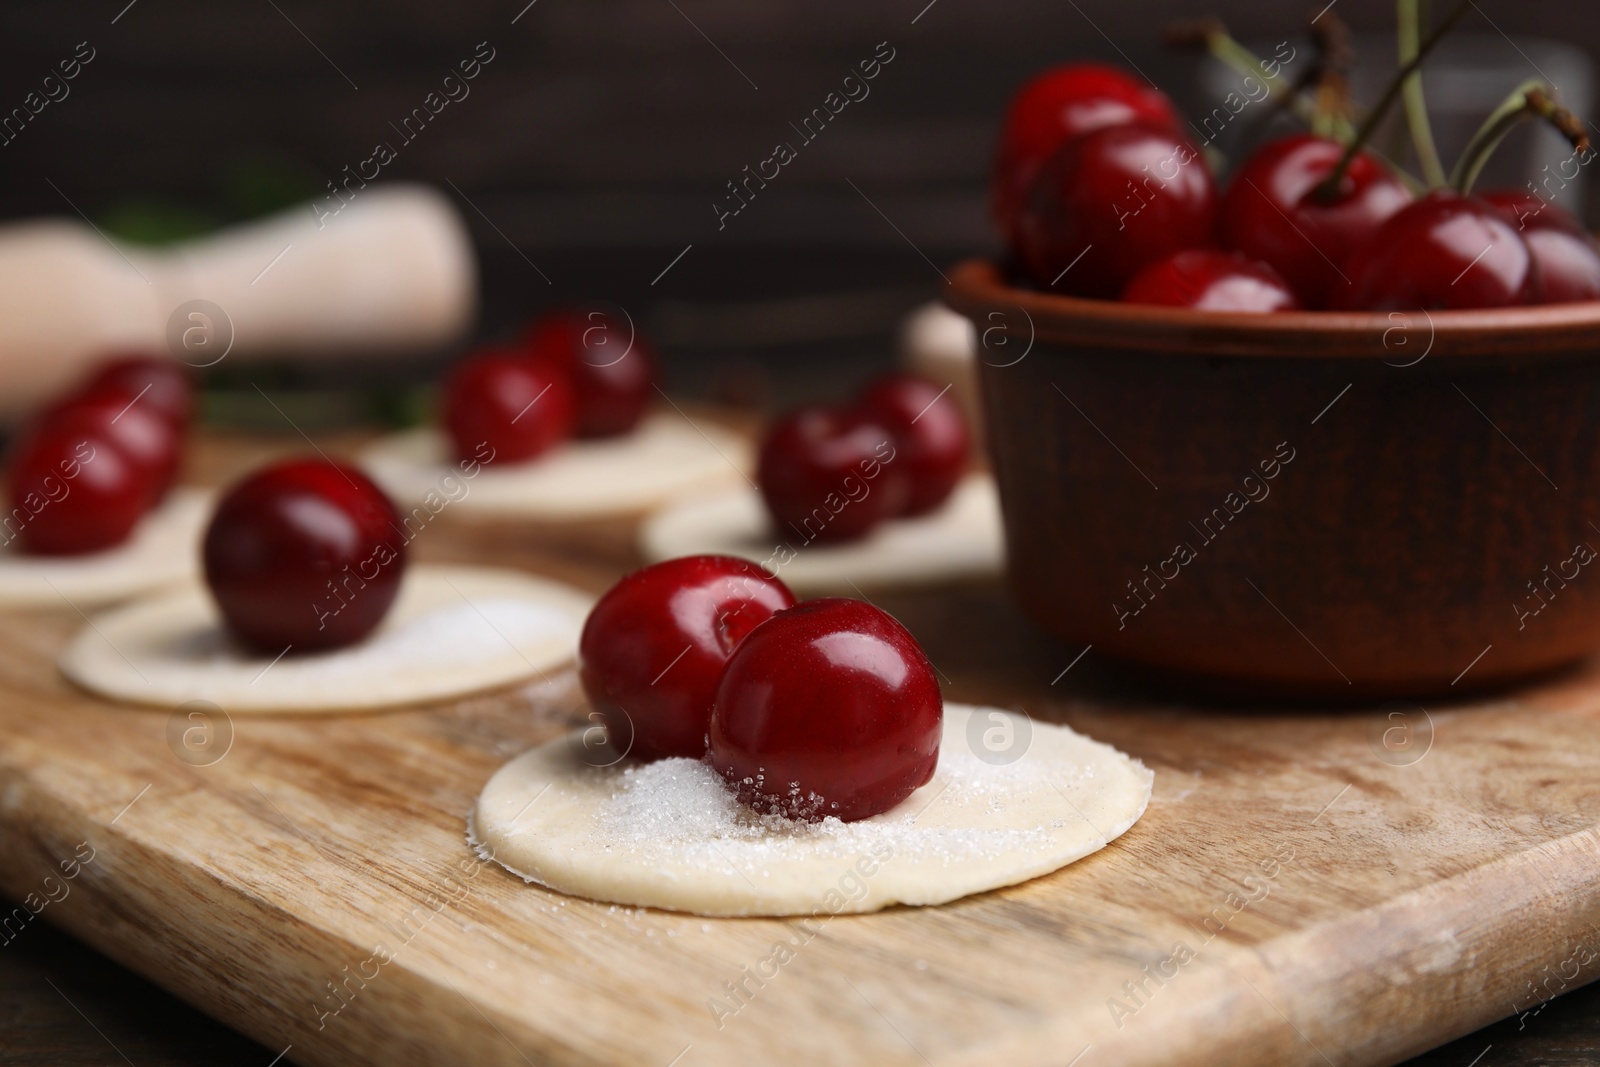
[1420, 901]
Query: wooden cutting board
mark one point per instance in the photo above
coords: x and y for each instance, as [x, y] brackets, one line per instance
[1304, 889]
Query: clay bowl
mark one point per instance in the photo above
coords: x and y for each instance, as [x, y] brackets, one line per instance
[1314, 504]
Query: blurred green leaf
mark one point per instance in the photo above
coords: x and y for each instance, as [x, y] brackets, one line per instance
[155, 222]
[259, 185]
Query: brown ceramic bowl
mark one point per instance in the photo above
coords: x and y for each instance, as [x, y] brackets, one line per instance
[1310, 503]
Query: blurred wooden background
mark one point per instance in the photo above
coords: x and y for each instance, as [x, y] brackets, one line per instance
[591, 149]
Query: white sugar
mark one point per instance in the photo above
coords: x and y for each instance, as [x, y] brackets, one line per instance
[683, 807]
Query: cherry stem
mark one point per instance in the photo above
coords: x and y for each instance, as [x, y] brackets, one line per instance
[1213, 36]
[1329, 189]
[1531, 99]
[1334, 60]
[1409, 17]
[1275, 105]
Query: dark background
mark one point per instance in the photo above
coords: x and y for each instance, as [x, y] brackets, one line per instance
[598, 138]
[593, 145]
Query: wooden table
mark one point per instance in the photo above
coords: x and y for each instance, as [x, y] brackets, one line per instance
[1424, 897]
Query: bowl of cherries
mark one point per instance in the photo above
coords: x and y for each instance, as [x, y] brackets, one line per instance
[1305, 424]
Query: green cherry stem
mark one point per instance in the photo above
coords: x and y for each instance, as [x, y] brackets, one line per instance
[1210, 34]
[1334, 60]
[1531, 99]
[1409, 17]
[1369, 125]
[1213, 36]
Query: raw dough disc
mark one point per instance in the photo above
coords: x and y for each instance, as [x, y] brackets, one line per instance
[451, 631]
[962, 540]
[665, 458]
[164, 549]
[669, 834]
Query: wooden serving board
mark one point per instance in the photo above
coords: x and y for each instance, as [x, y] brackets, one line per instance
[1303, 889]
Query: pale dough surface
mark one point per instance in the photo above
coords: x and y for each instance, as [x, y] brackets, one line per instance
[450, 632]
[962, 540]
[163, 550]
[666, 457]
[669, 834]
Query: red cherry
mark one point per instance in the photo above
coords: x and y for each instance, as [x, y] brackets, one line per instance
[1052, 108]
[1528, 211]
[1565, 255]
[73, 489]
[305, 554]
[831, 474]
[147, 437]
[611, 366]
[1211, 281]
[1567, 264]
[1111, 201]
[655, 645]
[930, 432]
[1272, 212]
[1444, 251]
[828, 708]
[161, 384]
[502, 408]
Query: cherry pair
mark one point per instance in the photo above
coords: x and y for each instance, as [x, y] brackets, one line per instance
[1366, 244]
[1093, 181]
[825, 708]
[579, 372]
[96, 460]
[833, 473]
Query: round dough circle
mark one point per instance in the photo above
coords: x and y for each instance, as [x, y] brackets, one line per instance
[451, 631]
[666, 457]
[164, 549]
[962, 540]
[670, 835]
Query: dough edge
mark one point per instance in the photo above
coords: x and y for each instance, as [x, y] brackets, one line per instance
[92, 663]
[162, 551]
[963, 541]
[737, 898]
[411, 463]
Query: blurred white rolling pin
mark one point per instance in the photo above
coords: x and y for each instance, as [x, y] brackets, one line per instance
[393, 272]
